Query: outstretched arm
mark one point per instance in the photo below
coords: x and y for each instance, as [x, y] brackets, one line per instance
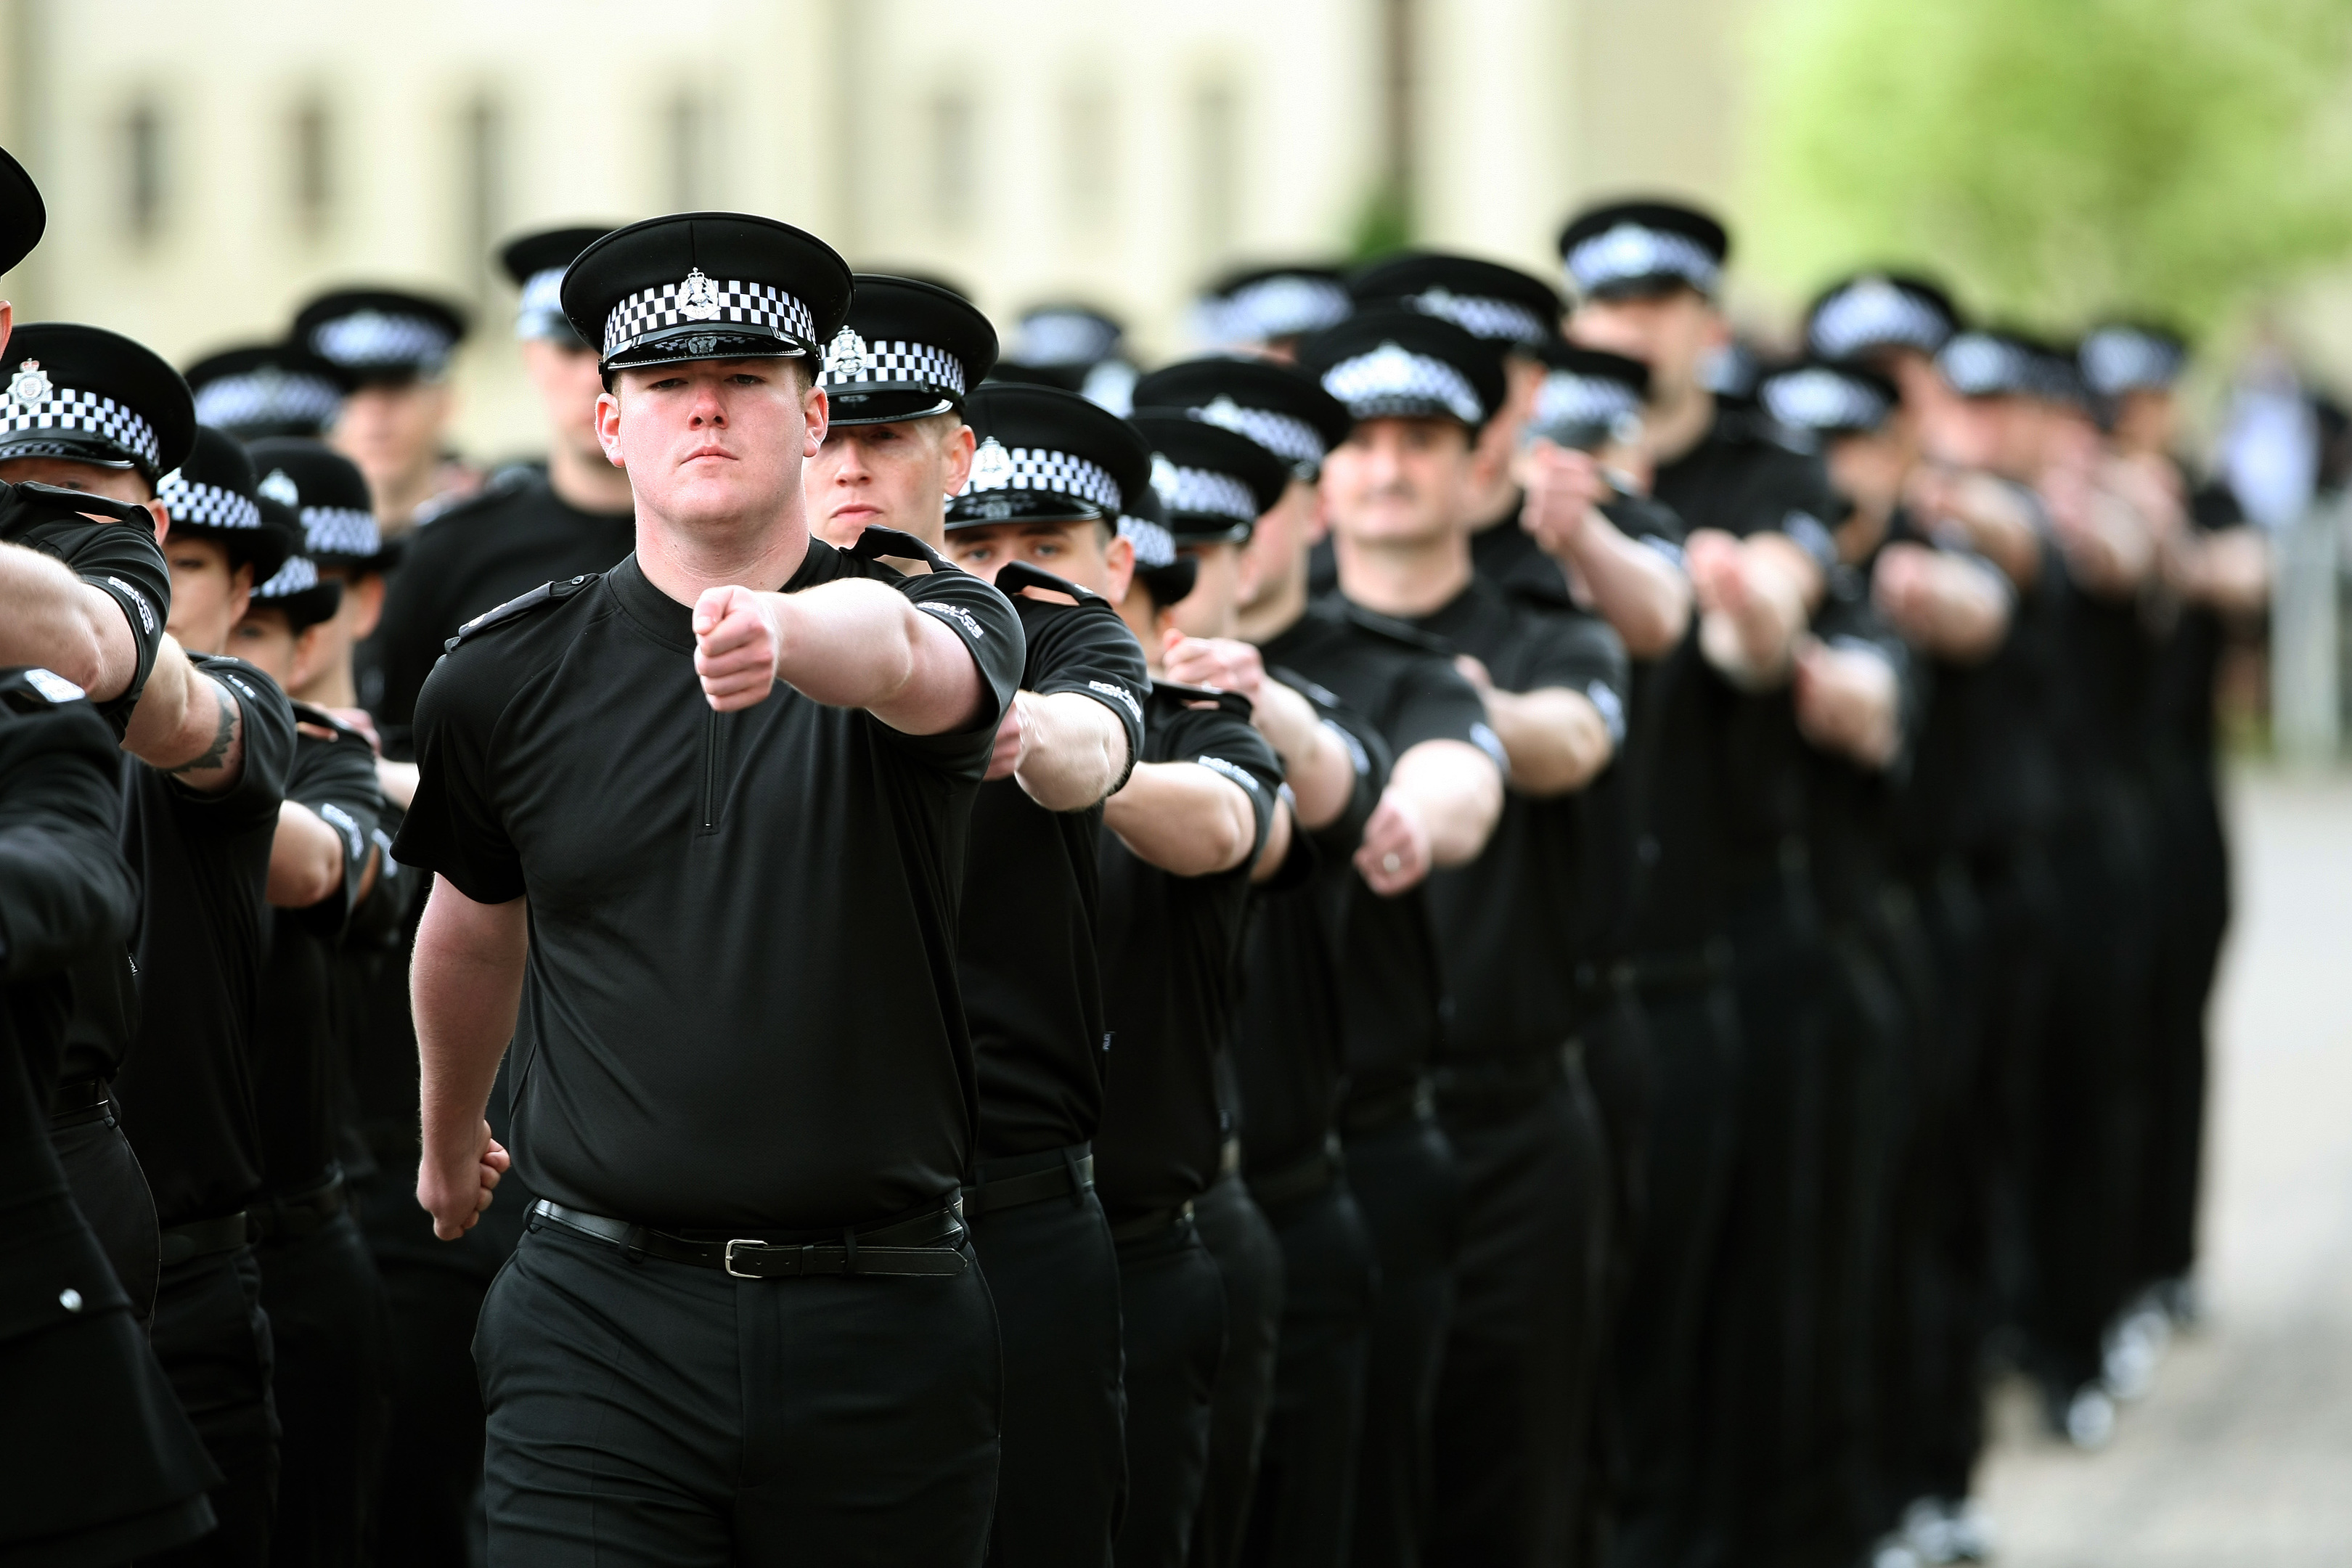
[1064, 749]
[851, 643]
[1442, 801]
[187, 724]
[52, 618]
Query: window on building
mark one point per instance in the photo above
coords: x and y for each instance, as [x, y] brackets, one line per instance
[311, 162]
[955, 163]
[1089, 160]
[482, 187]
[1216, 168]
[144, 171]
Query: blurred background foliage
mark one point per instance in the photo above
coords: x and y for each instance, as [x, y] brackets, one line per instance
[2057, 159]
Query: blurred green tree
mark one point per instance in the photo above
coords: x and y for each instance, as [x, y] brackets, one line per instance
[2055, 158]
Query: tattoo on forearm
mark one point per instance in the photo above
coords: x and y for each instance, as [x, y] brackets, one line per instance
[223, 731]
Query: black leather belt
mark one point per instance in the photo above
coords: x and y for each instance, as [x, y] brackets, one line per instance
[1229, 1157]
[1300, 1178]
[300, 1215]
[928, 1244]
[1032, 1178]
[84, 1100]
[1374, 1113]
[1159, 1222]
[199, 1238]
[1493, 1078]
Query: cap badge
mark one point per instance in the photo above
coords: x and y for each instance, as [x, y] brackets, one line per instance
[697, 298]
[1627, 250]
[281, 488]
[1164, 479]
[991, 466]
[846, 354]
[31, 385]
[1224, 412]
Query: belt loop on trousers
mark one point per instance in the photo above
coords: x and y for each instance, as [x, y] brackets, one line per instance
[848, 1250]
[1079, 1183]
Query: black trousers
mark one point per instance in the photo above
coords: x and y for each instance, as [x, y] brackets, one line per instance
[1410, 1191]
[332, 1332]
[2193, 891]
[648, 1411]
[1509, 1431]
[110, 1190]
[1650, 1382]
[1249, 1261]
[214, 1342]
[1174, 1303]
[1052, 1270]
[432, 1467]
[1305, 1502]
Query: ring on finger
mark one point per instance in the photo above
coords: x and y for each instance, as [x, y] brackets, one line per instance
[1390, 863]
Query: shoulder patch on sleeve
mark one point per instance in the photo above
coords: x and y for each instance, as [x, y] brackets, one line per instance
[522, 604]
[31, 689]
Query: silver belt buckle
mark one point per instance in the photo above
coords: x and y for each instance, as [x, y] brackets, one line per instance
[728, 1257]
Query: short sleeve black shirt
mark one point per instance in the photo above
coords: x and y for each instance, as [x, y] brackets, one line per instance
[298, 1088]
[1031, 896]
[187, 1087]
[1290, 1050]
[1514, 925]
[122, 560]
[1392, 993]
[474, 557]
[740, 1006]
[1169, 952]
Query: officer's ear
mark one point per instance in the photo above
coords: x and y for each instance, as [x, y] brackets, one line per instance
[608, 422]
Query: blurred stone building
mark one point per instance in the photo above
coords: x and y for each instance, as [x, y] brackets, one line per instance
[207, 167]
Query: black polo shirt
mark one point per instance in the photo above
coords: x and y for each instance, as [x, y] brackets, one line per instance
[122, 560]
[1169, 946]
[1290, 1047]
[740, 1007]
[1852, 828]
[1514, 925]
[186, 1085]
[298, 1089]
[1032, 898]
[474, 557]
[1392, 993]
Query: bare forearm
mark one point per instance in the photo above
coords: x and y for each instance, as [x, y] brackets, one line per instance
[1184, 818]
[1458, 792]
[1956, 611]
[465, 985]
[51, 619]
[397, 780]
[1555, 738]
[862, 644]
[1315, 763]
[2230, 573]
[306, 859]
[1645, 596]
[186, 725]
[1073, 750]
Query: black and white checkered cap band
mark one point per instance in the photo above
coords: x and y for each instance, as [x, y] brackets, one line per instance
[1481, 316]
[1286, 305]
[1814, 398]
[205, 506]
[540, 312]
[65, 409]
[1390, 380]
[267, 397]
[1875, 313]
[852, 361]
[299, 575]
[1154, 546]
[1202, 493]
[1978, 366]
[339, 531]
[1065, 337]
[2116, 359]
[997, 467]
[1567, 399]
[1291, 439]
[1630, 252]
[367, 338]
[697, 300]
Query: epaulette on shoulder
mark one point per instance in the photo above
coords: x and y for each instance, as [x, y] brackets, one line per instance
[875, 543]
[501, 486]
[522, 604]
[28, 688]
[305, 713]
[1233, 702]
[1397, 631]
[1015, 575]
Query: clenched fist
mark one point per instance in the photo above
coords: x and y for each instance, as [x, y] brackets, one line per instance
[736, 644]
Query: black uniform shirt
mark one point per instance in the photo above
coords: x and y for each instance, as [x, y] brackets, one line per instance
[1852, 831]
[120, 560]
[1514, 925]
[1392, 993]
[187, 1085]
[740, 1007]
[298, 1064]
[1169, 952]
[2181, 693]
[474, 557]
[1290, 1049]
[1026, 962]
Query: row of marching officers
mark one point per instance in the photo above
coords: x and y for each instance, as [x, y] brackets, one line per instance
[1459, 940]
